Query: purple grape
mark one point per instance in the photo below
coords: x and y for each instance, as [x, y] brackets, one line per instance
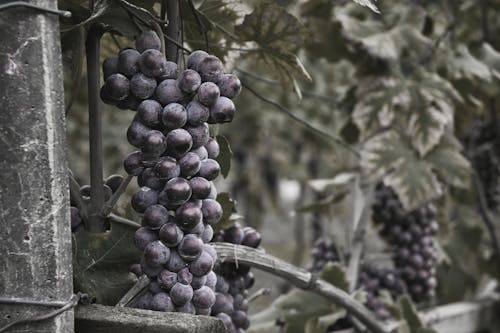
[154, 288]
[195, 58]
[221, 304]
[202, 312]
[240, 319]
[174, 116]
[178, 190]
[136, 270]
[179, 142]
[136, 134]
[152, 63]
[188, 215]
[252, 237]
[213, 192]
[211, 210]
[198, 282]
[147, 40]
[202, 265]
[148, 178]
[186, 308]
[171, 234]
[200, 187]
[208, 93]
[170, 71]
[143, 198]
[184, 276]
[201, 152]
[149, 112]
[175, 263]
[128, 62]
[162, 302]
[105, 97]
[190, 164]
[203, 298]
[222, 111]
[208, 234]
[142, 86]
[213, 149]
[221, 285]
[210, 69]
[230, 86]
[209, 169]
[110, 66]
[168, 92]
[167, 279]
[234, 235]
[144, 236]
[145, 301]
[114, 182]
[167, 168]
[181, 294]
[156, 254]
[154, 143]
[189, 81]
[197, 113]
[190, 248]
[129, 103]
[240, 303]
[155, 217]
[200, 134]
[211, 280]
[151, 271]
[117, 87]
[228, 323]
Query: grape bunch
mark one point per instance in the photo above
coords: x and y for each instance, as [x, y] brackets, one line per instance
[323, 252]
[175, 166]
[411, 234]
[374, 280]
[234, 280]
[110, 186]
[486, 161]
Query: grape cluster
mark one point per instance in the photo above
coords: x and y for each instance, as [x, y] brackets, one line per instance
[486, 161]
[175, 166]
[323, 252]
[374, 280]
[411, 234]
[234, 280]
[110, 186]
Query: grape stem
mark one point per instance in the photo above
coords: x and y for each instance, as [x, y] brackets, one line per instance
[133, 292]
[298, 119]
[259, 293]
[118, 219]
[300, 278]
[173, 29]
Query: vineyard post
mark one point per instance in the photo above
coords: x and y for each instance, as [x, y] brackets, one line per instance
[35, 265]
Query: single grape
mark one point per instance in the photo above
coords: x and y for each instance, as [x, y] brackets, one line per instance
[144, 302]
[234, 235]
[149, 179]
[151, 271]
[190, 164]
[174, 116]
[208, 234]
[186, 308]
[200, 134]
[147, 40]
[240, 319]
[184, 276]
[240, 303]
[195, 58]
[188, 216]
[144, 236]
[114, 182]
[117, 87]
[222, 111]
[175, 263]
[110, 66]
[208, 93]
[155, 217]
[128, 62]
[171, 234]
[197, 113]
[178, 190]
[189, 81]
[105, 97]
[201, 152]
[148, 113]
[221, 304]
[209, 169]
[221, 285]
[230, 86]
[170, 71]
[143, 198]
[167, 279]
[179, 142]
[156, 253]
[211, 69]
[203, 298]
[190, 248]
[198, 281]
[168, 92]
[154, 143]
[200, 187]
[129, 103]
[167, 168]
[181, 294]
[202, 265]
[152, 63]
[154, 288]
[213, 192]
[136, 134]
[252, 237]
[136, 270]
[213, 149]
[162, 302]
[142, 86]
[211, 210]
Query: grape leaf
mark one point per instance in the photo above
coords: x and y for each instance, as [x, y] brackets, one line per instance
[391, 156]
[410, 313]
[227, 203]
[225, 155]
[335, 274]
[461, 64]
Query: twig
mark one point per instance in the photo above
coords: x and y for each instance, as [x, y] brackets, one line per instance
[200, 24]
[136, 289]
[259, 293]
[302, 121]
[108, 206]
[63, 13]
[300, 278]
[118, 219]
[484, 212]
[127, 5]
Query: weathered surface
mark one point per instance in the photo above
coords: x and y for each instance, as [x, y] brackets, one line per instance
[109, 319]
[35, 236]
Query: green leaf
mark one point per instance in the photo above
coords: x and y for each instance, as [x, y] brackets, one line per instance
[227, 203]
[335, 274]
[391, 156]
[410, 314]
[461, 64]
[101, 263]
[225, 155]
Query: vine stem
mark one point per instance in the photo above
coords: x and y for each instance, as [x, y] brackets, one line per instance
[300, 278]
[173, 29]
[95, 223]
